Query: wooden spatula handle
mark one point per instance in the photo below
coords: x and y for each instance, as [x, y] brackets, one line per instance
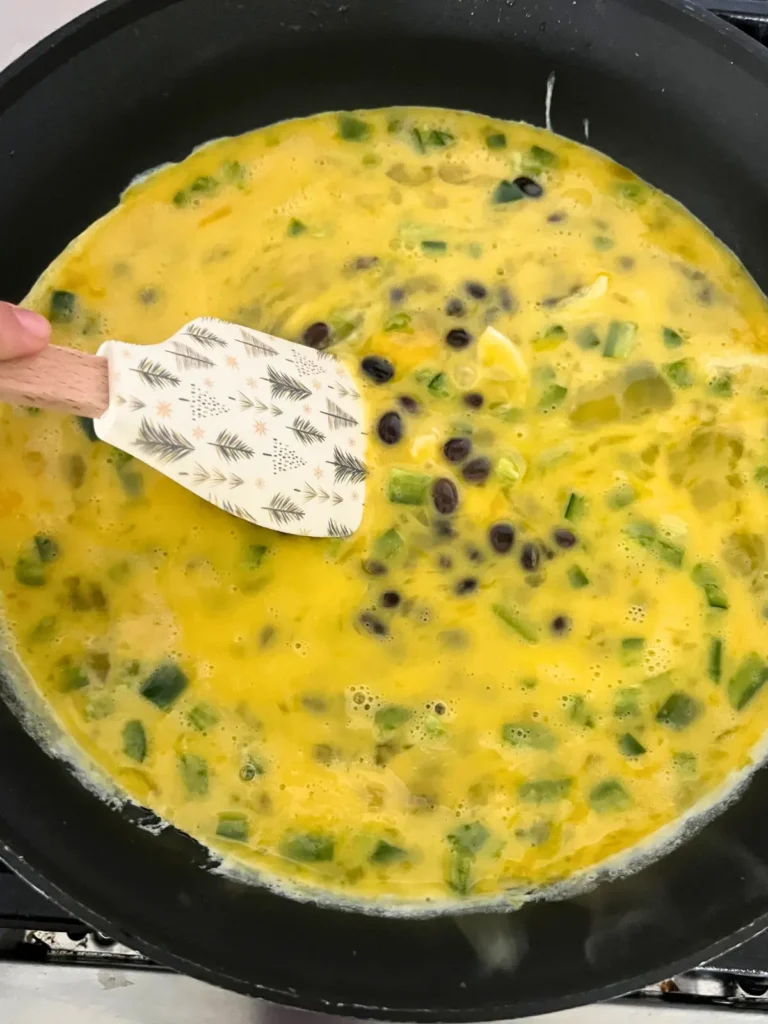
[57, 378]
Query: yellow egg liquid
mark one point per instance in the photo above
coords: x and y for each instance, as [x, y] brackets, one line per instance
[547, 639]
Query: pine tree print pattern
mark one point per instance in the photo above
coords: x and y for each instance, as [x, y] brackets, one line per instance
[285, 458]
[203, 404]
[191, 408]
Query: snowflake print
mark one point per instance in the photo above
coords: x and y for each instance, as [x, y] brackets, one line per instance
[127, 354]
[318, 473]
[260, 427]
[163, 409]
[307, 408]
[352, 442]
[354, 495]
[259, 483]
[316, 385]
[232, 362]
[198, 434]
[208, 382]
[251, 382]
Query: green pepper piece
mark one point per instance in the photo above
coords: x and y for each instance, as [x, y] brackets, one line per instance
[686, 764]
[391, 717]
[385, 853]
[73, 677]
[496, 140]
[552, 396]
[705, 576]
[29, 571]
[671, 338]
[603, 243]
[398, 322]
[749, 678]
[528, 734]
[721, 386]
[578, 711]
[204, 185]
[715, 659]
[388, 544]
[680, 373]
[164, 685]
[519, 625]
[352, 129]
[469, 838]
[309, 848]
[296, 227]
[543, 156]
[194, 774]
[620, 496]
[459, 877]
[43, 630]
[678, 711]
[544, 791]
[62, 307]
[629, 746]
[575, 507]
[434, 246]
[632, 191]
[587, 338]
[134, 740]
[620, 339]
[609, 796]
[632, 650]
[86, 425]
[440, 386]
[203, 717]
[254, 556]
[47, 548]
[506, 192]
[407, 487]
[233, 826]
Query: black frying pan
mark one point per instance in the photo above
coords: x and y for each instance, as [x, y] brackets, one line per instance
[670, 91]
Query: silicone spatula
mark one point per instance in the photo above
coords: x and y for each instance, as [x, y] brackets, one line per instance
[267, 430]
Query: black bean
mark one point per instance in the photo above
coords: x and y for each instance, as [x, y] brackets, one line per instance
[474, 554]
[374, 568]
[476, 290]
[390, 428]
[454, 307]
[529, 187]
[444, 528]
[458, 337]
[506, 301]
[502, 537]
[530, 557]
[625, 262]
[364, 262]
[563, 537]
[396, 295]
[440, 708]
[466, 586]
[557, 217]
[477, 470]
[409, 404]
[473, 399]
[456, 449]
[445, 496]
[317, 335]
[373, 624]
[378, 369]
[560, 625]
[445, 562]
[390, 599]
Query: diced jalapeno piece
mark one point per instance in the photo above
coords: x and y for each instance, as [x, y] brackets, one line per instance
[398, 322]
[705, 576]
[434, 246]
[715, 659]
[194, 774]
[528, 734]
[164, 685]
[620, 496]
[629, 746]
[72, 677]
[603, 243]
[391, 717]
[577, 577]
[680, 373]
[678, 711]
[204, 185]
[134, 740]
[43, 630]
[632, 650]
[310, 848]
[439, 386]
[721, 386]
[749, 678]
[459, 877]
[254, 555]
[671, 338]
[609, 796]
[388, 544]
[523, 629]
[620, 339]
[62, 308]
[469, 838]
[408, 488]
[544, 157]
[203, 717]
[544, 791]
[552, 396]
[496, 140]
[30, 571]
[627, 704]
[385, 853]
[352, 129]
[506, 192]
[296, 227]
[669, 552]
[233, 826]
[575, 507]
[578, 711]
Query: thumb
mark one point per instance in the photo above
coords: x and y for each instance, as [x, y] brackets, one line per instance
[22, 332]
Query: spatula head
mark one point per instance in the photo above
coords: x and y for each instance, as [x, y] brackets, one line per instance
[265, 429]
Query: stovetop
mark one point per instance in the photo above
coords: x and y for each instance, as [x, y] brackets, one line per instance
[34, 932]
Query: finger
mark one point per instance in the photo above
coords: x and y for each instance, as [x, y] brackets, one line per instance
[22, 332]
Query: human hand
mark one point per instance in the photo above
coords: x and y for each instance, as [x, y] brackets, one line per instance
[22, 332]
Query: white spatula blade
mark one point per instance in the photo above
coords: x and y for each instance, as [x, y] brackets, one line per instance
[267, 430]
